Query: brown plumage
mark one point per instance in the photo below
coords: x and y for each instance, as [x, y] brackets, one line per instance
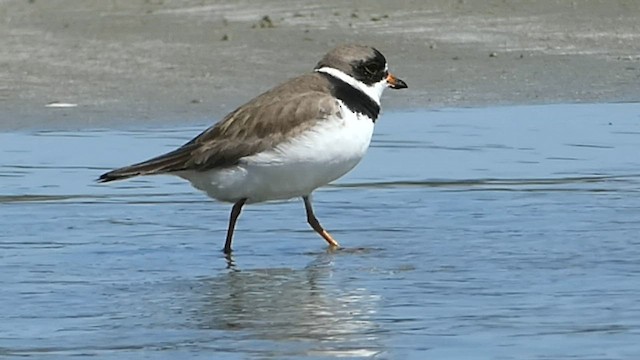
[260, 124]
[318, 127]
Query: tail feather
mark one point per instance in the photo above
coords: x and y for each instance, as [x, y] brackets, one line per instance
[169, 162]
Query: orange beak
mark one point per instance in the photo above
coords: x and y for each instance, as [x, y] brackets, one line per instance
[395, 83]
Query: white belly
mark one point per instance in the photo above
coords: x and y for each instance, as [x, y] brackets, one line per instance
[292, 169]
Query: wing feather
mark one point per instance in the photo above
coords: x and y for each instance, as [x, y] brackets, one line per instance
[259, 125]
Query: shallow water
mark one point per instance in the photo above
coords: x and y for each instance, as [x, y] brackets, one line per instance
[504, 233]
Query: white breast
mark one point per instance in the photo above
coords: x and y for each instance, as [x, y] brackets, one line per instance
[294, 168]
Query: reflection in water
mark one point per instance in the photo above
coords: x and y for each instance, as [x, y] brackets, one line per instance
[302, 309]
[509, 232]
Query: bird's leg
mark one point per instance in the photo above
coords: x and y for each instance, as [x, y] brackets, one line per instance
[315, 224]
[235, 212]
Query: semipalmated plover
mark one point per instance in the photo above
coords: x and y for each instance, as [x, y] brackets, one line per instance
[287, 142]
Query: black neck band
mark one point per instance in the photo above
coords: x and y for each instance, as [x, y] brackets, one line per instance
[356, 100]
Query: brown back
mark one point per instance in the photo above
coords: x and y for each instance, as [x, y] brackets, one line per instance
[259, 125]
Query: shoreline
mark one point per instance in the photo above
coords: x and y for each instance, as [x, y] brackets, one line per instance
[153, 63]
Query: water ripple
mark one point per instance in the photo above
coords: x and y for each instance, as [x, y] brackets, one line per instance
[506, 232]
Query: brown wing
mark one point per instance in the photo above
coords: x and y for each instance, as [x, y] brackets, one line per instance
[261, 124]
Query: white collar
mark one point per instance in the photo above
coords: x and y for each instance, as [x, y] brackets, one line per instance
[374, 91]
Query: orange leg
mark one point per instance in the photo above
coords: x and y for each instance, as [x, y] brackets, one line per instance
[315, 224]
[235, 212]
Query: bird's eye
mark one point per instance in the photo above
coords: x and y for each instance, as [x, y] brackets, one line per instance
[369, 69]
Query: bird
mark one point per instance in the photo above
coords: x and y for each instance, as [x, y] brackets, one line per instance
[286, 142]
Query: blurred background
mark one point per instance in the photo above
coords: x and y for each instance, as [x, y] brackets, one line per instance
[154, 60]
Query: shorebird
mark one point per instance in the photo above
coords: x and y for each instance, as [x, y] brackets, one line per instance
[286, 142]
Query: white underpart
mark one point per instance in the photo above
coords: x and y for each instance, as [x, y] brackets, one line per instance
[374, 91]
[296, 167]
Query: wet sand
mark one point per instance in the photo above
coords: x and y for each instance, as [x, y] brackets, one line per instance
[132, 63]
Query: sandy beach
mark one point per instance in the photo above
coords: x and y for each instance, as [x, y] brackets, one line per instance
[131, 63]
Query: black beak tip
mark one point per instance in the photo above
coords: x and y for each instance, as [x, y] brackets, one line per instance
[399, 85]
